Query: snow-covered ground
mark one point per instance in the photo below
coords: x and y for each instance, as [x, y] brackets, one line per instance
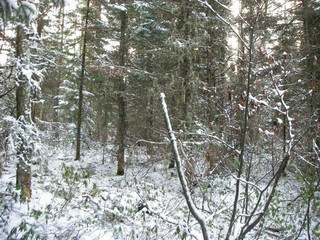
[86, 200]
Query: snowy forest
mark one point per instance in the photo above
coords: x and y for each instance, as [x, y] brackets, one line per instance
[190, 119]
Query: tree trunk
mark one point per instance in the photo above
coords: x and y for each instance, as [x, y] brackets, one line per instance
[121, 130]
[23, 173]
[81, 84]
[186, 66]
[311, 43]
[312, 35]
[20, 90]
[23, 179]
[243, 136]
[59, 74]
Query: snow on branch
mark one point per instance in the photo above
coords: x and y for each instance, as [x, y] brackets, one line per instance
[286, 113]
[256, 215]
[225, 21]
[186, 191]
[7, 7]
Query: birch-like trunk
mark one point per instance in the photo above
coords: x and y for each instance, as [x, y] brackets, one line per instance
[184, 184]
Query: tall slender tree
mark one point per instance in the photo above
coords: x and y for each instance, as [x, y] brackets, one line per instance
[184, 25]
[23, 177]
[121, 84]
[81, 81]
[310, 16]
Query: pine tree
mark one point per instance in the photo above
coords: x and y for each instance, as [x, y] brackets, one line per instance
[27, 76]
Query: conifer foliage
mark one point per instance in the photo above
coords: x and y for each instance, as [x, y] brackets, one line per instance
[81, 80]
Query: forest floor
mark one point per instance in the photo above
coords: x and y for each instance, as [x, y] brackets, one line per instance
[86, 200]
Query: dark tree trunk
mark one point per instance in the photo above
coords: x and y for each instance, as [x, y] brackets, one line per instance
[33, 106]
[20, 90]
[121, 131]
[59, 75]
[81, 83]
[186, 66]
[311, 44]
[23, 179]
[23, 173]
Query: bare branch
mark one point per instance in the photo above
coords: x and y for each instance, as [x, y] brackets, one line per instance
[251, 224]
[186, 191]
[7, 92]
[225, 21]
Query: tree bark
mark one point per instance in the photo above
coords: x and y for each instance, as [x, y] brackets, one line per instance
[23, 179]
[312, 42]
[122, 128]
[186, 65]
[23, 172]
[81, 83]
[20, 90]
[59, 72]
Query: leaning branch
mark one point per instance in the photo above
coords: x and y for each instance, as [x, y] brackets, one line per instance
[186, 191]
[225, 21]
[7, 92]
